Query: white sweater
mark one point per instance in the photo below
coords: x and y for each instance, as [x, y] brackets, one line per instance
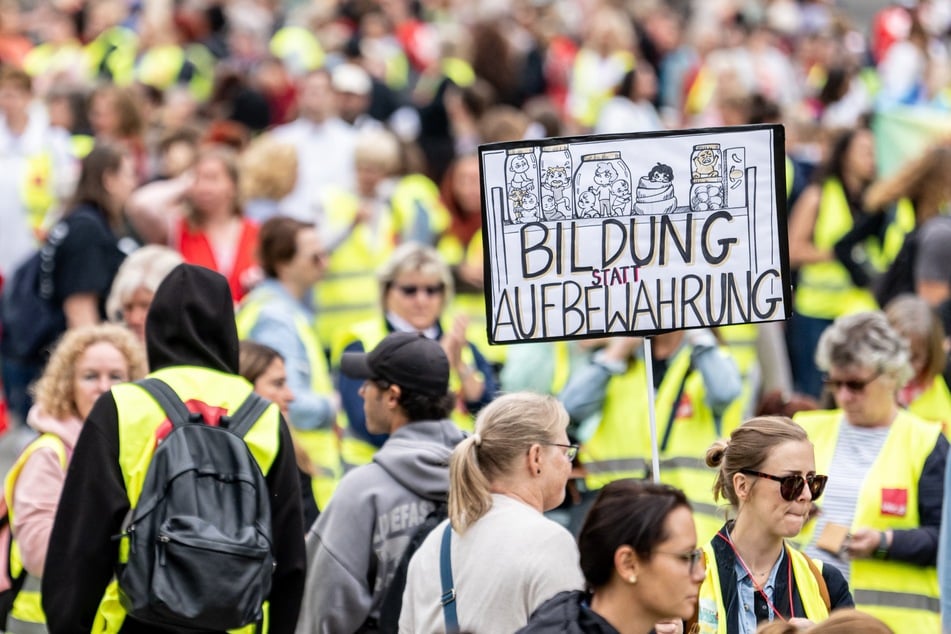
[505, 565]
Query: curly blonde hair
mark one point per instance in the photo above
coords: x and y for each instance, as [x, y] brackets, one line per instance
[54, 391]
[268, 169]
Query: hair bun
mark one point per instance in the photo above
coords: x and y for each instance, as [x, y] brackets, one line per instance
[715, 453]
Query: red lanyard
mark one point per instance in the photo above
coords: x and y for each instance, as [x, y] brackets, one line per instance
[792, 614]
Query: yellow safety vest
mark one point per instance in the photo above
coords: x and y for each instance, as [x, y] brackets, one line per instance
[587, 98]
[934, 404]
[322, 446]
[112, 54]
[415, 201]
[298, 48]
[740, 342]
[712, 615]
[825, 290]
[350, 292]
[904, 596]
[354, 450]
[472, 305]
[140, 417]
[621, 447]
[37, 190]
[161, 67]
[27, 615]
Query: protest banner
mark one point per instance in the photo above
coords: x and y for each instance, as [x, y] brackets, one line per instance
[634, 234]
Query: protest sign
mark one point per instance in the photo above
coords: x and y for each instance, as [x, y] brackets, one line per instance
[634, 234]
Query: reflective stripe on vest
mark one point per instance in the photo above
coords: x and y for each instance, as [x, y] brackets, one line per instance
[902, 594]
[139, 418]
[322, 446]
[27, 608]
[710, 605]
[825, 289]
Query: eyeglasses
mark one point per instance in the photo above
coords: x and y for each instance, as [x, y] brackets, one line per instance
[792, 485]
[692, 558]
[854, 386]
[410, 290]
[570, 450]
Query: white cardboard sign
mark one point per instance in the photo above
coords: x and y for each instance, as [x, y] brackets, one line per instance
[634, 234]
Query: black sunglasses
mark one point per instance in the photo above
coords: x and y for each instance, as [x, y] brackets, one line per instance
[412, 289]
[854, 386]
[791, 486]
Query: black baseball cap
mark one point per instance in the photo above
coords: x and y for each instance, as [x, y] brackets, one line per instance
[410, 360]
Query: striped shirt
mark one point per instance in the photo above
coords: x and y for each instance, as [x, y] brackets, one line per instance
[855, 451]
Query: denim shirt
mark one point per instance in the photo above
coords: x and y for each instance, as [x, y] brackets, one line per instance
[746, 594]
[276, 328]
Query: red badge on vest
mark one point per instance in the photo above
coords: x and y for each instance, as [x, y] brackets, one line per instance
[685, 407]
[894, 502]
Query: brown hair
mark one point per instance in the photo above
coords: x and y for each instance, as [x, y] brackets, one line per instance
[254, 358]
[846, 621]
[131, 123]
[277, 242]
[748, 447]
[15, 77]
[55, 391]
[228, 159]
[104, 159]
[926, 181]
[505, 430]
[914, 319]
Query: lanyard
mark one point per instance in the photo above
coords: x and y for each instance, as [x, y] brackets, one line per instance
[756, 586]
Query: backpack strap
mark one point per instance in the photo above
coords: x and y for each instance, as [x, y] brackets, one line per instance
[170, 402]
[448, 598]
[820, 580]
[246, 415]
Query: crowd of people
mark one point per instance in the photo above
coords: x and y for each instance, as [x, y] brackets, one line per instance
[290, 193]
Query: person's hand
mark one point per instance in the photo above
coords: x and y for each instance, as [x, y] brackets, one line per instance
[863, 542]
[621, 348]
[800, 623]
[669, 626]
[454, 340]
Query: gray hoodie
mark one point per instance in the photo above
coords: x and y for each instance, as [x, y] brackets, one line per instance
[355, 546]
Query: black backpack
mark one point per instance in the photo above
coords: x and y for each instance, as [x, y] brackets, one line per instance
[389, 619]
[31, 319]
[200, 537]
[8, 596]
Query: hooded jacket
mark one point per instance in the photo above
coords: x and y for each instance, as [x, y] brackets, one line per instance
[355, 546]
[190, 323]
[567, 612]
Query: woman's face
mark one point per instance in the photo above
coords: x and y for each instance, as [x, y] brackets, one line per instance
[860, 157]
[866, 395]
[760, 497]
[212, 190]
[466, 186]
[121, 183]
[135, 309]
[272, 385]
[667, 585]
[417, 297]
[103, 116]
[97, 369]
[556, 470]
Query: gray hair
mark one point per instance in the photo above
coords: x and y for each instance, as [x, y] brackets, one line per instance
[865, 340]
[145, 268]
[411, 257]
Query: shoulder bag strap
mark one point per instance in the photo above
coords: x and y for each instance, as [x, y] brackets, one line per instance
[166, 397]
[820, 580]
[448, 598]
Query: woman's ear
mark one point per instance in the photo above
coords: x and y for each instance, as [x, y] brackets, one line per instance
[742, 486]
[626, 563]
[535, 459]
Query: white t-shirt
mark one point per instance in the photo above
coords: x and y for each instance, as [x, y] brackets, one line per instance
[508, 563]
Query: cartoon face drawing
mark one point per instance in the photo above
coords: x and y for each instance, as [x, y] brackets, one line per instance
[705, 164]
[661, 173]
[706, 157]
[604, 174]
[586, 202]
[621, 189]
[529, 207]
[548, 204]
[555, 177]
[519, 164]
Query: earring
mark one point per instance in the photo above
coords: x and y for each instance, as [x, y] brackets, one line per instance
[632, 579]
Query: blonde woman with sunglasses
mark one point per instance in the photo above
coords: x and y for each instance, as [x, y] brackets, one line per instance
[881, 515]
[767, 472]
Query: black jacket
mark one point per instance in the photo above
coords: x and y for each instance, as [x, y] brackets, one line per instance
[190, 323]
[839, 594]
[567, 612]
